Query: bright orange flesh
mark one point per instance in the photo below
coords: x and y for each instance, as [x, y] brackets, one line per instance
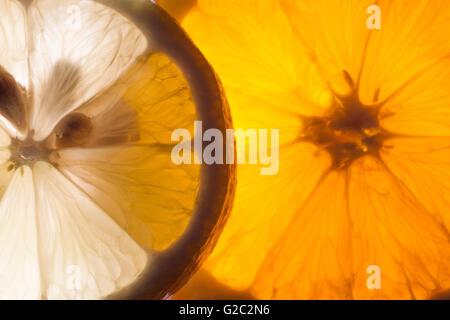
[364, 162]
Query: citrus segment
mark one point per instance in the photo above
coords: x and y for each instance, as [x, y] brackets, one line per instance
[13, 42]
[412, 39]
[420, 163]
[257, 35]
[75, 232]
[19, 266]
[140, 187]
[419, 108]
[316, 239]
[79, 49]
[162, 98]
[393, 231]
[151, 100]
[335, 36]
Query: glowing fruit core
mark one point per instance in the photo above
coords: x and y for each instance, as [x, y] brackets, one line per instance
[348, 131]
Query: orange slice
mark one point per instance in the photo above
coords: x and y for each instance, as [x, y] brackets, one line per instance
[364, 137]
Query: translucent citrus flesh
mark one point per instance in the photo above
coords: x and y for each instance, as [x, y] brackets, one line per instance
[312, 230]
[90, 180]
[135, 178]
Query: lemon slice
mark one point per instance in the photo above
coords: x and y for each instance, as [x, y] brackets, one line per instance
[92, 205]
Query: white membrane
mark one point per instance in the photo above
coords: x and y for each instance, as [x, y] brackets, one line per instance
[19, 267]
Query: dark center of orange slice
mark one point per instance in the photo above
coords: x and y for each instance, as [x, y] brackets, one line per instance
[348, 131]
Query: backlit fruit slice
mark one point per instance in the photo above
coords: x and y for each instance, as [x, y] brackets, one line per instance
[86, 175]
[364, 156]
